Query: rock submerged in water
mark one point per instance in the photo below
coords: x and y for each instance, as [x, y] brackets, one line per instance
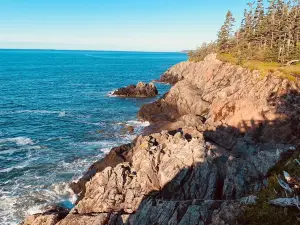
[141, 90]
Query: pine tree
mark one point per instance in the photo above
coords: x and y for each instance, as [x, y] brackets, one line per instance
[225, 33]
[267, 32]
[258, 23]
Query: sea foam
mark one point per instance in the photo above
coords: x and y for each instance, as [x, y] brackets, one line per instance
[18, 140]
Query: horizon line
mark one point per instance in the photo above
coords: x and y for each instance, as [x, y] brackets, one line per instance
[95, 50]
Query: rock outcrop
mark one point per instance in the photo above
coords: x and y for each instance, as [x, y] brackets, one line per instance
[212, 140]
[176, 73]
[141, 90]
[225, 94]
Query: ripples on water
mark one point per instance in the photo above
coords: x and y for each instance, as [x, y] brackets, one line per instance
[56, 119]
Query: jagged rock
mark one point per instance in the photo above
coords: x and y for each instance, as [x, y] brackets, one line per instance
[114, 157]
[227, 214]
[141, 90]
[170, 167]
[91, 219]
[217, 133]
[40, 219]
[51, 216]
[225, 94]
[176, 73]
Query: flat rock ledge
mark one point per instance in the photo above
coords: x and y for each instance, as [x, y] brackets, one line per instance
[141, 90]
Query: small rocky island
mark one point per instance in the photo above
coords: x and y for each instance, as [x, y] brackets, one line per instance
[141, 90]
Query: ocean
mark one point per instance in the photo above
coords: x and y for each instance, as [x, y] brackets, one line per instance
[57, 118]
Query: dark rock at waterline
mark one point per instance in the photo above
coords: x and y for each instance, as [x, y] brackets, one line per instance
[130, 129]
[141, 90]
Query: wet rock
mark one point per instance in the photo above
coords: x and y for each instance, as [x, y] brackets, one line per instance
[130, 129]
[141, 90]
[127, 129]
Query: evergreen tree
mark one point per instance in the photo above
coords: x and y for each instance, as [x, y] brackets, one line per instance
[267, 32]
[259, 26]
[225, 33]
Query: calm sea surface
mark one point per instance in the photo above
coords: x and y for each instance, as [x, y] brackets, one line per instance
[56, 119]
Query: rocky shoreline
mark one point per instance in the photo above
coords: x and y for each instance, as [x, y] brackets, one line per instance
[211, 142]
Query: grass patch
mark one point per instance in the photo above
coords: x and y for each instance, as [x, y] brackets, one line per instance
[265, 68]
[264, 213]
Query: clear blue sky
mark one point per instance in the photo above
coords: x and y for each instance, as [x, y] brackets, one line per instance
[146, 25]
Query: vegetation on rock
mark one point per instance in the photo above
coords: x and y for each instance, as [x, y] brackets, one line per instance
[268, 33]
[265, 213]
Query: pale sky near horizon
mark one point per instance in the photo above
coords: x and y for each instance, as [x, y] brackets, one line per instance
[136, 25]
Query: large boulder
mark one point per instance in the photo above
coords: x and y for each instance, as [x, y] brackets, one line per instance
[141, 90]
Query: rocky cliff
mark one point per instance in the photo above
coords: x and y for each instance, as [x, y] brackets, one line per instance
[212, 140]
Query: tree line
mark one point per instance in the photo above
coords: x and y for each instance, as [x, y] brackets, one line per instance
[268, 32]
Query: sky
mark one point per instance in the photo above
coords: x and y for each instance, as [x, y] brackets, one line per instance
[134, 25]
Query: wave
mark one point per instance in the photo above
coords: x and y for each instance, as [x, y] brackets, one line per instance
[41, 112]
[11, 151]
[138, 123]
[18, 140]
[62, 114]
[110, 94]
[57, 138]
[14, 207]
[93, 123]
[103, 144]
[21, 165]
[38, 111]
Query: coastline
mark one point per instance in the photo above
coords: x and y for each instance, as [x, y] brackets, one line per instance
[51, 136]
[203, 163]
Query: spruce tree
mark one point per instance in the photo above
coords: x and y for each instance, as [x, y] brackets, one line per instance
[225, 33]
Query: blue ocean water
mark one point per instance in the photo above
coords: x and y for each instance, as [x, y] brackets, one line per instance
[56, 119]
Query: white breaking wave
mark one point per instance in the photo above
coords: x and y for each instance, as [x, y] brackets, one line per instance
[138, 123]
[62, 114]
[18, 140]
[20, 166]
[38, 111]
[57, 138]
[110, 94]
[59, 113]
[34, 210]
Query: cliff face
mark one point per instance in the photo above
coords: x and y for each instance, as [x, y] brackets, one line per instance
[211, 142]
